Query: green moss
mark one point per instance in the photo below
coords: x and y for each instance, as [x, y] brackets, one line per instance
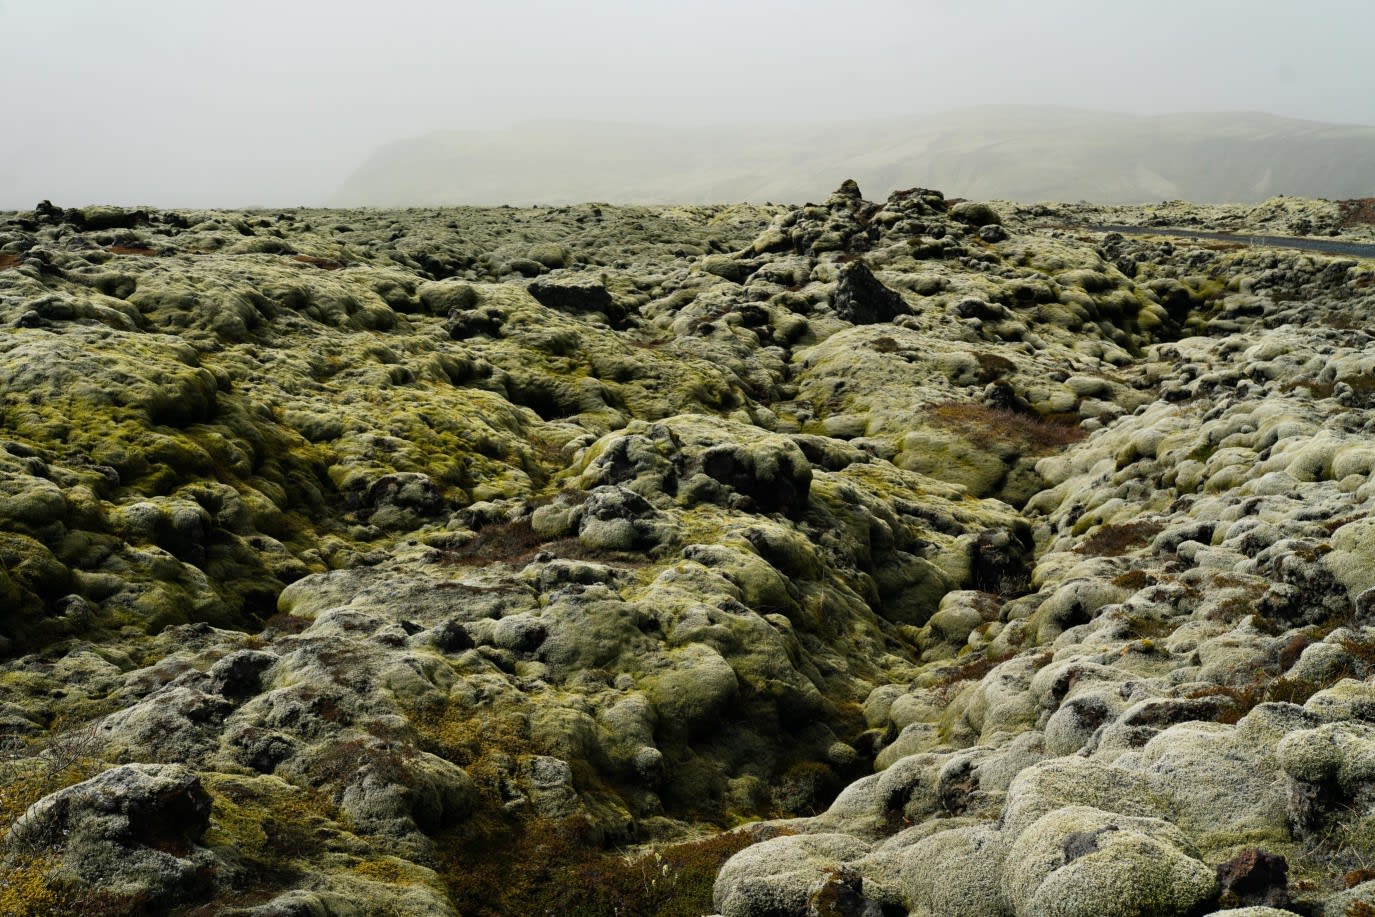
[277, 826]
[26, 890]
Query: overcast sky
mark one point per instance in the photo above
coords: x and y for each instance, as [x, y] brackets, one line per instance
[182, 103]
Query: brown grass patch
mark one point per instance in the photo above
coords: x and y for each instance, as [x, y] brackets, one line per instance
[1284, 689]
[557, 868]
[508, 542]
[8, 261]
[1332, 525]
[322, 263]
[1358, 211]
[517, 543]
[975, 669]
[884, 345]
[282, 624]
[1134, 580]
[989, 427]
[1358, 877]
[1116, 540]
[1239, 701]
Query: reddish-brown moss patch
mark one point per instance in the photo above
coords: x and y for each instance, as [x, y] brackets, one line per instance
[1116, 540]
[1358, 211]
[989, 427]
[508, 542]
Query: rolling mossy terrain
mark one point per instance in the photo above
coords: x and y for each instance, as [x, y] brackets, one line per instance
[917, 557]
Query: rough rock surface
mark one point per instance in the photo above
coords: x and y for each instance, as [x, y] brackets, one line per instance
[436, 562]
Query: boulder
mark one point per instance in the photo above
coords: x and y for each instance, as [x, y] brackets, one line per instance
[131, 832]
[1083, 861]
[862, 299]
[781, 877]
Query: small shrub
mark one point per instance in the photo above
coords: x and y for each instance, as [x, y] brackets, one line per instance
[1293, 690]
[390, 761]
[1285, 689]
[481, 744]
[1148, 628]
[1238, 602]
[1292, 650]
[1362, 651]
[63, 758]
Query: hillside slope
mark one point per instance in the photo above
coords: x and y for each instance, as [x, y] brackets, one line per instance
[1009, 152]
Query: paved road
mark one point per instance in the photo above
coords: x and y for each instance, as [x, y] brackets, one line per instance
[1326, 246]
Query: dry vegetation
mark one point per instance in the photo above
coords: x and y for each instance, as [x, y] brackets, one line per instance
[1357, 212]
[1119, 539]
[557, 870]
[989, 427]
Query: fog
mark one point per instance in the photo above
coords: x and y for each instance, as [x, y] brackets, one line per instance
[182, 104]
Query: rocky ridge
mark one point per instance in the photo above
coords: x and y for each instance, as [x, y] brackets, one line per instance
[402, 561]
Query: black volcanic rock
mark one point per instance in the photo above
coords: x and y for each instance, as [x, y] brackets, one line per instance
[577, 295]
[862, 299]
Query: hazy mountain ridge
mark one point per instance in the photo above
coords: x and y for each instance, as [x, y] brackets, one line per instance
[1020, 153]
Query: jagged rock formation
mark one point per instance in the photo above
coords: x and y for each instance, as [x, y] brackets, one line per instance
[403, 562]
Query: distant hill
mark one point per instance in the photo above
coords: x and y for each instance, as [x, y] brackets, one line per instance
[1013, 152]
